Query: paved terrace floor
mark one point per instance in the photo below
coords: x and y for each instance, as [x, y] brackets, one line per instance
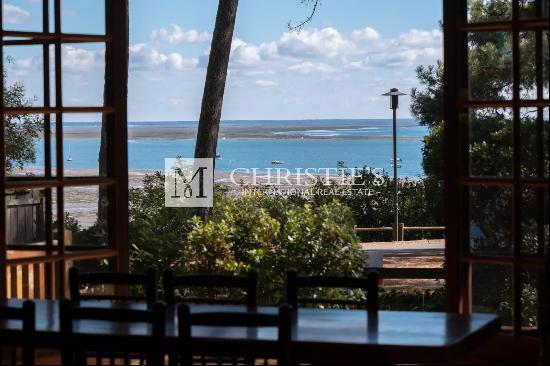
[413, 248]
[410, 254]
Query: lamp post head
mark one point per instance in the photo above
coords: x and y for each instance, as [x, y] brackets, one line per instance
[394, 95]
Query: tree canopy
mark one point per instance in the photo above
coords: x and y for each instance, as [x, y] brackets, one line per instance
[21, 131]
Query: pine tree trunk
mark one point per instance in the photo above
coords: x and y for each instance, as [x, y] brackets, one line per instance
[214, 86]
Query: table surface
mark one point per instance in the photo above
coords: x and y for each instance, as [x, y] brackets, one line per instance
[420, 331]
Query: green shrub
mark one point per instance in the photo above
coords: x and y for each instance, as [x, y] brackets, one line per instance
[419, 203]
[273, 235]
[412, 300]
[157, 233]
[243, 233]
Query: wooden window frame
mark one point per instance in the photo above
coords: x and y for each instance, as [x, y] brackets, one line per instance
[457, 103]
[116, 180]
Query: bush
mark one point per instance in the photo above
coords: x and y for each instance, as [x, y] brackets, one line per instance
[419, 203]
[412, 300]
[250, 232]
[273, 235]
[157, 233]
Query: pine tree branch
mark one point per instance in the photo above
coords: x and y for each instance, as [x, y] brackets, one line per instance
[300, 26]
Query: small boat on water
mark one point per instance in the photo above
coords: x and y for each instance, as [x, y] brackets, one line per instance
[69, 158]
[277, 162]
[218, 157]
[399, 162]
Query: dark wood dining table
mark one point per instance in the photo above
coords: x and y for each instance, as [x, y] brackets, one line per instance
[324, 336]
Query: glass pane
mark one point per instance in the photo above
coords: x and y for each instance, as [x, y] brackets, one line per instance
[528, 62]
[490, 65]
[22, 15]
[491, 221]
[24, 143]
[530, 298]
[83, 16]
[534, 221]
[489, 10]
[528, 8]
[25, 218]
[535, 159]
[83, 74]
[24, 72]
[83, 145]
[491, 141]
[546, 65]
[86, 216]
[492, 290]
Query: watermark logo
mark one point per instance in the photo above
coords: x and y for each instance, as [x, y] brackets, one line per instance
[188, 182]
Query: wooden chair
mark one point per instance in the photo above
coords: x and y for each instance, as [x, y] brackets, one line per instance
[248, 284]
[111, 348]
[147, 281]
[369, 285]
[226, 351]
[14, 344]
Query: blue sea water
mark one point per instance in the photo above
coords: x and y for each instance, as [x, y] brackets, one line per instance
[324, 143]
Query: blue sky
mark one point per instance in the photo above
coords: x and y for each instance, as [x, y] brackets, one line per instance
[353, 51]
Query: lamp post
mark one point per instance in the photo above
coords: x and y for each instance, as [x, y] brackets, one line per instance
[394, 105]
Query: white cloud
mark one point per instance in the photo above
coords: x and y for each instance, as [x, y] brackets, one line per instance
[367, 33]
[14, 14]
[79, 59]
[244, 54]
[411, 48]
[145, 56]
[310, 67]
[28, 64]
[176, 101]
[421, 38]
[266, 83]
[150, 55]
[175, 35]
[327, 42]
[74, 60]
[359, 65]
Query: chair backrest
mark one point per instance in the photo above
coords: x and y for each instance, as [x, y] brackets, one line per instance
[11, 342]
[147, 281]
[248, 284]
[233, 352]
[369, 285]
[78, 346]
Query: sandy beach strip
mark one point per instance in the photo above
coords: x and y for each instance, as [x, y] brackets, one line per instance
[231, 133]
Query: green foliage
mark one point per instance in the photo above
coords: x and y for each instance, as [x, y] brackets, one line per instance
[273, 235]
[412, 300]
[21, 131]
[157, 233]
[243, 233]
[426, 103]
[371, 202]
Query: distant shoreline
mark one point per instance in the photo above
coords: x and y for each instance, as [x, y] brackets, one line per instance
[322, 129]
[232, 133]
[184, 135]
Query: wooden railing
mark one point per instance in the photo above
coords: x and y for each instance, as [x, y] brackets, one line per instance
[34, 275]
[401, 231]
[412, 273]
